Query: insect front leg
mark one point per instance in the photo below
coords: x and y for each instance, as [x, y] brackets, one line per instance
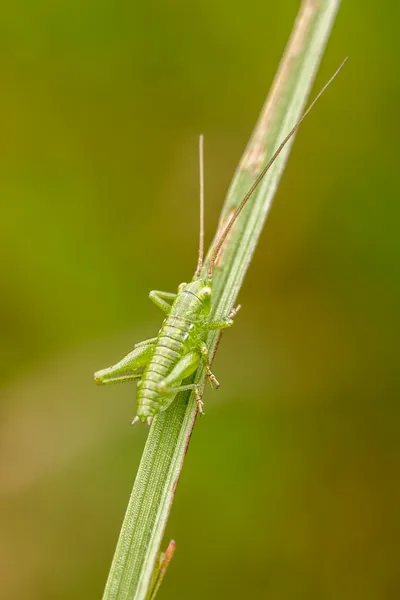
[186, 366]
[159, 298]
[121, 371]
[225, 322]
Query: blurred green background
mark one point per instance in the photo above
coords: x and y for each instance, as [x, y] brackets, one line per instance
[290, 487]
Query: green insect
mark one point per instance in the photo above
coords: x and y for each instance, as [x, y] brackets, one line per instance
[161, 364]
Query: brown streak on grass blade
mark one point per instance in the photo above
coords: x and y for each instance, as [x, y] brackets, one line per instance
[255, 153]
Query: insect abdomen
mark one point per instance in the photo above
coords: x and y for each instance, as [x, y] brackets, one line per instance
[169, 348]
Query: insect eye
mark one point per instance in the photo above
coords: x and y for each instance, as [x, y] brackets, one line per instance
[181, 286]
[206, 292]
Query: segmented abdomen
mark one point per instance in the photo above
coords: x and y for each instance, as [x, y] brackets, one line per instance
[168, 349]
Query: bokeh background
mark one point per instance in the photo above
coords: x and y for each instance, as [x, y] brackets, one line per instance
[290, 487]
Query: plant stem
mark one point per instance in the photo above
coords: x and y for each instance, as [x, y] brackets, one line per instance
[135, 568]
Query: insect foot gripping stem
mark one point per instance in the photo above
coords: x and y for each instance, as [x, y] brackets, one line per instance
[211, 378]
[234, 311]
[199, 401]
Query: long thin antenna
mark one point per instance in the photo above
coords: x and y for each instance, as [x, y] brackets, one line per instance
[201, 239]
[263, 173]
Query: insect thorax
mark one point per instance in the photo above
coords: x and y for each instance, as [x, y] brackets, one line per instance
[193, 300]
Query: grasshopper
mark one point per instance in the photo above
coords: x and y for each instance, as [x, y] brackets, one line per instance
[161, 364]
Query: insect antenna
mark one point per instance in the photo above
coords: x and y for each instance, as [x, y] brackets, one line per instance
[201, 237]
[277, 152]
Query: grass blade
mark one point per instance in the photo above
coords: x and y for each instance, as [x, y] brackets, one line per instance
[132, 572]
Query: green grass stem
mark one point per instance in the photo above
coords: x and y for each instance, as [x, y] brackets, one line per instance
[138, 566]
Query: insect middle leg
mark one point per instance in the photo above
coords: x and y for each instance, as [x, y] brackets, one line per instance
[121, 371]
[206, 359]
[186, 366]
[160, 299]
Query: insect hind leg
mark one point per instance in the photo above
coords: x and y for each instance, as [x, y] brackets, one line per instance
[123, 370]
